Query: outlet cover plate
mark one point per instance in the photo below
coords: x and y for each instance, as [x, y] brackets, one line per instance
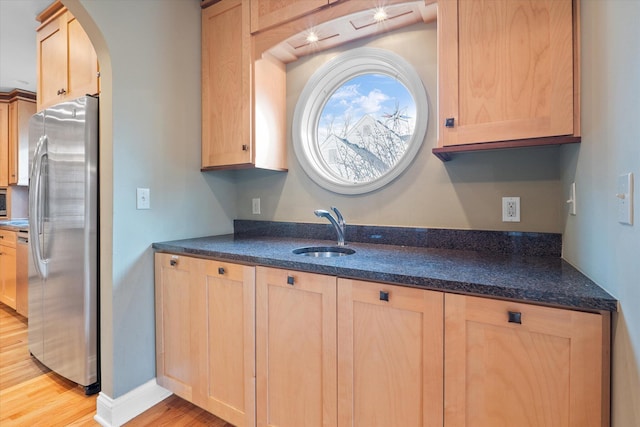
[511, 209]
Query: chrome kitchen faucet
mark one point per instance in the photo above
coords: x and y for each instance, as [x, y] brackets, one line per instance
[338, 224]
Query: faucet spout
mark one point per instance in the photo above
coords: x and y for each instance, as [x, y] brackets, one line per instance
[339, 225]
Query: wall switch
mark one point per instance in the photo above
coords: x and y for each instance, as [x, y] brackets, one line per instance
[255, 206]
[572, 199]
[511, 209]
[625, 198]
[142, 198]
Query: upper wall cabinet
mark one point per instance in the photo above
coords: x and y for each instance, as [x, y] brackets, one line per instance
[267, 13]
[243, 98]
[16, 107]
[4, 144]
[66, 61]
[508, 74]
[20, 111]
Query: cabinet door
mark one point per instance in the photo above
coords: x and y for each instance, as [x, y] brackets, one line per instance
[225, 370]
[8, 276]
[20, 111]
[268, 13]
[4, 144]
[51, 62]
[83, 61]
[390, 344]
[67, 61]
[512, 364]
[226, 85]
[176, 301]
[295, 348]
[505, 70]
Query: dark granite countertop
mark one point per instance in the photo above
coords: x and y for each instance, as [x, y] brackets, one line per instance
[547, 280]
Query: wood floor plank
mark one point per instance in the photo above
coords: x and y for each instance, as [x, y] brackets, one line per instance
[33, 396]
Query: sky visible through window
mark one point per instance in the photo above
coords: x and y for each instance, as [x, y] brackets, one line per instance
[365, 126]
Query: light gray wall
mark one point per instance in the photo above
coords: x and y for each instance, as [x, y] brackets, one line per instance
[605, 250]
[150, 137]
[465, 193]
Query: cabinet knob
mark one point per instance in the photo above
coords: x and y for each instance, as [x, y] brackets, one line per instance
[61, 91]
[384, 296]
[173, 262]
[220, 270]
[449, 122]
[515, 317]
[245, 147]
[290, 280]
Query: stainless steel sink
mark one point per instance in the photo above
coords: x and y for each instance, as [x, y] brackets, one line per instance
[324, 251]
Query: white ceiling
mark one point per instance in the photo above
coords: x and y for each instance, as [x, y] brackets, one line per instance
[18, 43]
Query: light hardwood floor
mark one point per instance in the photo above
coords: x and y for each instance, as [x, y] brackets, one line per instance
[31, 395]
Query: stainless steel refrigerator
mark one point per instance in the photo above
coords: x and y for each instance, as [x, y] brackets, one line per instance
[63, 227]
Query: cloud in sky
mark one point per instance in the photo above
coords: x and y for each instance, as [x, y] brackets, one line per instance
[372, 102]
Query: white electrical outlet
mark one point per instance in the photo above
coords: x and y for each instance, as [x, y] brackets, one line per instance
[255, 206]
[625, 198]
[511, 209]
[142, 198]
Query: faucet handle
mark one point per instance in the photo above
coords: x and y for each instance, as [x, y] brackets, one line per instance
[338, 216]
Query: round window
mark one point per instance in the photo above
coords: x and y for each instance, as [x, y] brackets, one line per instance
[360, 121]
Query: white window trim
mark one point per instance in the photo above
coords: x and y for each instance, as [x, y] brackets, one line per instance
[322, 85]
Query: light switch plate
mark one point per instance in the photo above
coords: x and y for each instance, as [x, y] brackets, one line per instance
[572, 199]
[624, 195]
[142, 198]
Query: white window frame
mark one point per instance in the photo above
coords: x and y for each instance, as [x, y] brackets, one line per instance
[323, 83]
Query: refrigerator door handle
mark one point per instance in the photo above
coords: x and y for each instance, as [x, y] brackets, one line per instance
[35, 210]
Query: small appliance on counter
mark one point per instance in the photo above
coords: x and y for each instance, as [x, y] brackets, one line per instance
[3, 203]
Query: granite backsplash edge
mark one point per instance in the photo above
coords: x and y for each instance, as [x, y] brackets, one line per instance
[496, 242]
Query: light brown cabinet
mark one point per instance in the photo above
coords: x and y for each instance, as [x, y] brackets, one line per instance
[243, 98]
[67, 64]
[296, 352]
[269, 13]
[176, 298]
[272, 347]
[508, 70]
[390, 359]
[509, 364]
[8, 268]
[225, 336]
[205, 334]
[16, 108]
[4, 144]
[20, 111]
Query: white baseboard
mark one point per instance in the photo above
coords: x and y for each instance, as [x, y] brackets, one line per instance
[115, 412]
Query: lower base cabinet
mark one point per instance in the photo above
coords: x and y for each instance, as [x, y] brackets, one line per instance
[8, 264]
[205, 342]
[389, 355]
[270, 347]
[296, 348]
[512, 364]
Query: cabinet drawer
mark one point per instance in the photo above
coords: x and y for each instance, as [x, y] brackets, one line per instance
[8, 238]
